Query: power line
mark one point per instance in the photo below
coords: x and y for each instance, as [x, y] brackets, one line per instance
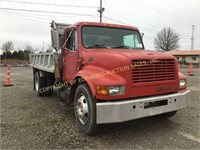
[34, 17]
[39, 11]
[76, 14]
[33, 14]
[25, 15]
[107, 9]
[50, 4]
[43, 15]
[162, 12]
[147, 30]
[152, 28]
[26, 18]
[156, 10]
[114, 20]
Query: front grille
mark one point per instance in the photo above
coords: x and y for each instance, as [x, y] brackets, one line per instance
[153, 70]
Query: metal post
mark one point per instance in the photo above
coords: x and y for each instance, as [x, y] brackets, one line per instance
[199, 60]
[192, 38]
[43, 46]
[101, 10]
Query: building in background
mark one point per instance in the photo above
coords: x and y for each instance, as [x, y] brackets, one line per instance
[186, 56]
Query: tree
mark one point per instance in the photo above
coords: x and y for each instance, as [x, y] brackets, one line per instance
[7, 55]
[27, 46]
[166, 39]
[21, 55]
[26, 54]
[7, 47]
[15, 55]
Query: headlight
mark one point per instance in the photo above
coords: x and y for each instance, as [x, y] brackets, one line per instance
[111, 90]
[182, 83]
[117, 90]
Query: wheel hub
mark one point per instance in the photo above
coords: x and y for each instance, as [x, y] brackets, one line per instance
[81, 109]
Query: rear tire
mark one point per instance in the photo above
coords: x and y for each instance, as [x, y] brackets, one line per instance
[39, 84]
[49, 83]
[85, 110]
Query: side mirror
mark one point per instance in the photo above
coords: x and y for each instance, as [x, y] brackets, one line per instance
[55, 39]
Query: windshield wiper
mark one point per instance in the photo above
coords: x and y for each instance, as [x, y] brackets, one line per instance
[122, 46]
[98, 46]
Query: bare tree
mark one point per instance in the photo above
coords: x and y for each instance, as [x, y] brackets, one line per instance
[27, 46]
[166, 39]
[7, 47]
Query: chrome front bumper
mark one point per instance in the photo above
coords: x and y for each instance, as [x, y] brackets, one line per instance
[120, 111]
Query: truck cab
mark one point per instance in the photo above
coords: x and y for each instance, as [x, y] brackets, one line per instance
[109, 77]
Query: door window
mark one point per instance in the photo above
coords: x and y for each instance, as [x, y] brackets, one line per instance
[72, 41]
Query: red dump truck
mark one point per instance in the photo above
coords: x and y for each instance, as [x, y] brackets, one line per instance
[106, 73]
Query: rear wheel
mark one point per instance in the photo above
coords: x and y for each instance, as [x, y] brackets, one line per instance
[85, 110]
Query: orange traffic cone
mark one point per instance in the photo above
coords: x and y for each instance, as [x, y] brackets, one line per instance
[8, 76]
[190, 72]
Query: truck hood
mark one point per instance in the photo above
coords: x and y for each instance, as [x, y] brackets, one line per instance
[137, 83]
[119, 57]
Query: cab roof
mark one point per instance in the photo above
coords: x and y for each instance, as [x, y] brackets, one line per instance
[104, 25]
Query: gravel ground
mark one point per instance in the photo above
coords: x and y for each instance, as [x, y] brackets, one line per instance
[31, 122]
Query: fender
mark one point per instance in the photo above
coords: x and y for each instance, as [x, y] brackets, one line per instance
[94, 75]
[181, 76]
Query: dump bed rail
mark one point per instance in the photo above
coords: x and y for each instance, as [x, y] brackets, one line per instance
[42, 61]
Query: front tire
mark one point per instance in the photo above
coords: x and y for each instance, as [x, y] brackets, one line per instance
[85, 110]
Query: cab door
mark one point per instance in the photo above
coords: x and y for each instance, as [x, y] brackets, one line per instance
[70, 55]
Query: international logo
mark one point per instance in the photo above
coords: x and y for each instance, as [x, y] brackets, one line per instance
[159, 89]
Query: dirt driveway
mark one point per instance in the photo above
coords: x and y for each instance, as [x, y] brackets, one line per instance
[31, 122]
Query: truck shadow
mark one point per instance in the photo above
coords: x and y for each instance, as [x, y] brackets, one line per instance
[149, 124]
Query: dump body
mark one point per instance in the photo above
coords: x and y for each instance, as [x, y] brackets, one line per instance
[42, 61]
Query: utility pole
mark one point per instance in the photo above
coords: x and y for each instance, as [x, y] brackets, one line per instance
[43, 46]
[192, 38]
[101, 10]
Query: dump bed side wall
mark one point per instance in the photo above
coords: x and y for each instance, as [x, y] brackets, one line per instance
[42, 61]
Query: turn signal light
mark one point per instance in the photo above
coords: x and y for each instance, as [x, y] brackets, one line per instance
[102, 90]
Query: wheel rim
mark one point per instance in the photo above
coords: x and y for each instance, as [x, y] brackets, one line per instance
[36, 84]
[81, 109]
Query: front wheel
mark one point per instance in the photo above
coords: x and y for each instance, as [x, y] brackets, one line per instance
[85, 110]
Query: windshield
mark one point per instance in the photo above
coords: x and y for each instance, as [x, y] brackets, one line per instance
[107, 37]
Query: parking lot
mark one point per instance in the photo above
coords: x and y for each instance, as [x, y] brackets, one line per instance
[32, 122]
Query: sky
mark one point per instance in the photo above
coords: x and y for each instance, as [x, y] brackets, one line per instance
[28, 21]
